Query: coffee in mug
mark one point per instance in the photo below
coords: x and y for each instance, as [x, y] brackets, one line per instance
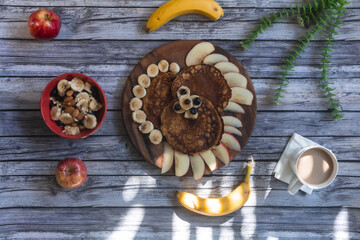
[315, 167]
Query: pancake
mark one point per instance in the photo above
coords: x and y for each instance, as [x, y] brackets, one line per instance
[192, 136]
[158, 95]
[207, 81]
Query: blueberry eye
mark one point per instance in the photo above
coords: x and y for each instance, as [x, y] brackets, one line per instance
[183, 91]
[193, 111]
[197, 101]
[187, 101]
[177, 107]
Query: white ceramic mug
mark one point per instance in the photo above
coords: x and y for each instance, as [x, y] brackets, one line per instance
[296, 182]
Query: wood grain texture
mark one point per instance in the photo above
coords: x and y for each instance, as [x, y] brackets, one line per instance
[159, 191]
[143, 168]
[135, 223]
[177, 52]
[120, 148]
[128, 24]
[29, 123]
[105, 39]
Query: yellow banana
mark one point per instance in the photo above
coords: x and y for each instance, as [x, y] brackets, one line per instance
[219, 206]
[175, 8]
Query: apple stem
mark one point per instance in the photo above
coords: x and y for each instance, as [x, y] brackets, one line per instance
[47, 16]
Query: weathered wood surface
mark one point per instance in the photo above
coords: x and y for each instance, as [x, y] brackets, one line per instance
[124, 194]
[128, 23]
[137, 223]
[30, 123]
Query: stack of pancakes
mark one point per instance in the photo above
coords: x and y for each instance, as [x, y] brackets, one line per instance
[189, 136]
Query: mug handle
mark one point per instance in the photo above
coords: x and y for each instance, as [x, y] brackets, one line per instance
[294, 185]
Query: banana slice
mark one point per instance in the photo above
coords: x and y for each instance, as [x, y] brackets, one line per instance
[66, 118]
[87, 87]
[139, 116]
[146, 127]
[144, 80]
[139, 91]
[196, 100]
[94, 105]
[155, 136]
[163, 66]
[183, 91]
[152, 70]
[55, 113]
[135, 104]
[174, 67]
[83, 105]
[192, 113]
[185, 102]
[77, 84]
[62, 86]
[177, 108]
[80, 96]
[90, 121]
[71, 130]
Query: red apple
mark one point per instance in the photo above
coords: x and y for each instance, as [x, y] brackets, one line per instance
[71, 173]
[44, 24]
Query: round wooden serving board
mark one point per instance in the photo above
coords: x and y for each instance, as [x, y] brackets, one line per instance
[176, 52]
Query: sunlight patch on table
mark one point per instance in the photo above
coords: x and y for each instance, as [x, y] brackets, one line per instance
[129, 224]
[341, 225]
[131, 188]
[180, 228]
[227, 233]
[203, 233]
[248, 215]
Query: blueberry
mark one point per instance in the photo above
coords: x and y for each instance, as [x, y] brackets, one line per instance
[193, 111]
[187, 101]
[75, 94]
[96, 114]
[52, 104]
[95, 93]
[54, 93]
[183, 91]
[177, 107]
[81, 121]
[60, 124]
[197, 101]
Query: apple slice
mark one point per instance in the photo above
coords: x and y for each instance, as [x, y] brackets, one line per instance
[168, 158]
[209, 158]
[226, 67]
[182, 163]
[235, 79]
[197, 54]
[231, 142]
[241, 95]
[215, 58]
[222, 153]
[232, 130]
[197, 166]
[234, 107]
[232, 121]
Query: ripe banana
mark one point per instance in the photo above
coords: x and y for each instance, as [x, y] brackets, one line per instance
[176, 8]
[219, 206]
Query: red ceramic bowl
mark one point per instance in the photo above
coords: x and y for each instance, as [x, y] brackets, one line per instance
[45, 106]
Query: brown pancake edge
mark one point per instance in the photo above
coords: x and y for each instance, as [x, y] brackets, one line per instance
[192, 136]
[204, 80]
[158, 95]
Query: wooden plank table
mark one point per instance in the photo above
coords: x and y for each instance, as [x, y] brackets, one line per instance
[126, 197]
